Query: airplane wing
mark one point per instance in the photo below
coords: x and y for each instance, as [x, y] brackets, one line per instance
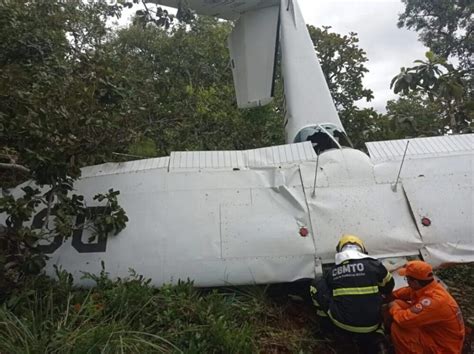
[215, 217]
[275, 214]
[437, 179]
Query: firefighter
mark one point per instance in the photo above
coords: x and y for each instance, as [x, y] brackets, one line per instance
[348, 298]
[425, 317]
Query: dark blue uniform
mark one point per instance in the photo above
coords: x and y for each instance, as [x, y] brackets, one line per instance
[350, 295]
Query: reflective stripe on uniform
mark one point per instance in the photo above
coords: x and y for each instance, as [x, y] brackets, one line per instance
[385, 280]
[313, 290]
[367, 290]
[355, 329]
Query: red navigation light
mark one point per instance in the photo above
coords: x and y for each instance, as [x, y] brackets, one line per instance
[304, 232]
[425, 221]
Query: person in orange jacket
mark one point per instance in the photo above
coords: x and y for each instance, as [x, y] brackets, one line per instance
[425, 317]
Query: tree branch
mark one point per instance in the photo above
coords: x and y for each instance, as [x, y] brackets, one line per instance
[14, 166]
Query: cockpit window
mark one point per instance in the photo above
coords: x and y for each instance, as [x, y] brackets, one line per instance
[323, 137]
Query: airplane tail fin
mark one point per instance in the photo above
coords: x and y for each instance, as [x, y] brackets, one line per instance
[309, 109]
[308, 99]
[253, 46]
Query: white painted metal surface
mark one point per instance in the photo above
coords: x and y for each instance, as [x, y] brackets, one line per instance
[220, 226]
[216, 227]
[123, 167]
[252, 47]
[215, 160]
[308, 101]
[450, 210]
[381, 151]
[256, 158]
[348, 200]
[228, 9]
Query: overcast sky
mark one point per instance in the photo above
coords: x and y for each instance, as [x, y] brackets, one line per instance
[388, 48]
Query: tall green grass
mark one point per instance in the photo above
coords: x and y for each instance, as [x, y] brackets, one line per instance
[130, 316]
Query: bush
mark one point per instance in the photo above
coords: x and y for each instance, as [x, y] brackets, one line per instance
[126, 315]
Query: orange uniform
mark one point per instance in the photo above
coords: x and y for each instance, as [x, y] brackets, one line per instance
[427, 320]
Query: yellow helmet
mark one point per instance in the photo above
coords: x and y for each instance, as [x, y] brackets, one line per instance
[350, 239]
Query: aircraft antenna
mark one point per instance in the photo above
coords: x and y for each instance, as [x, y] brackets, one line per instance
[394, 186]
[315, 176]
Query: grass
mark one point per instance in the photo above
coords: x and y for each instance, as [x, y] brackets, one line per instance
[130, 316]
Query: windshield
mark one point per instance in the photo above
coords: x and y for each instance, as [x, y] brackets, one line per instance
[323, 137]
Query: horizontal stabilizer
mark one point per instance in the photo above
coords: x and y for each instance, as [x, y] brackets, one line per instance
[252, 45]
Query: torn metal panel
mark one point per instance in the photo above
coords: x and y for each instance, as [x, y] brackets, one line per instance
[373, 212]
[339, 167]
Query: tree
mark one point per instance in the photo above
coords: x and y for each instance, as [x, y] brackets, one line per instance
[342, 62]
[444, 26]
[363, 125]
[182, 91]
[73, 94]
[61, 107]
[412, 115]
[443, 84]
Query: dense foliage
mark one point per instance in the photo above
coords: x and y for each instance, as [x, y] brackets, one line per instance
[445, 86]
[61, 107]
[445, 78]
[444, 26]
[183, 90]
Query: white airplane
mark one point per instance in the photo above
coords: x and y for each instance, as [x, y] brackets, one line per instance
[275, 214]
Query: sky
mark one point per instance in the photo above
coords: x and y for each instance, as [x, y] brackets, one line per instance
[388, 47]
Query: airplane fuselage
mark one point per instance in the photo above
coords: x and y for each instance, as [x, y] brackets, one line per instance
[230, 218]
